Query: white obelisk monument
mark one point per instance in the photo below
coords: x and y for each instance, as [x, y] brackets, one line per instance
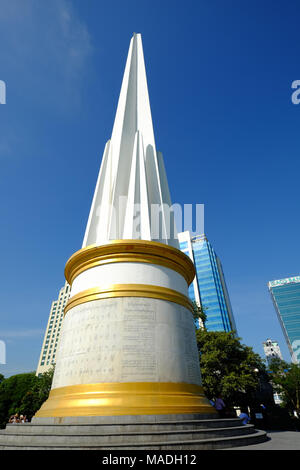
[128, 343]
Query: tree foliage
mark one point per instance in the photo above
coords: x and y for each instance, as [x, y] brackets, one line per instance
[229, 369]
[286, 381]
[199, 314]
[277, 366]
[23, 394]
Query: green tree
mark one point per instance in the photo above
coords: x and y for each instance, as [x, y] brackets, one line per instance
[199, 314]
[229, 369]
[12, 391]
[23, 394]
[35, 396]
[44, 385]
[286, 381]
[277, 366]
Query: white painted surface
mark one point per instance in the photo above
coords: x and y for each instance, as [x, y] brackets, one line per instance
[127, 340]
[129, 273]
[132, 173]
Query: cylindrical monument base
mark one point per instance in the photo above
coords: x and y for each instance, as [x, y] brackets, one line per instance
[128, 344]
[121, 399]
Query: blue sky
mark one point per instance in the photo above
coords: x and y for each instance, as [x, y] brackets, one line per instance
[219, 75]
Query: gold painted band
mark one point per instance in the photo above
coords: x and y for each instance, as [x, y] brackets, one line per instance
[130, 251]
[135, 398]
[129, 290]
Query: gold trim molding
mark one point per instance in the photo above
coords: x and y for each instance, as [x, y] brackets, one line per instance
[129, 290]
[129, 251]
[119, 399]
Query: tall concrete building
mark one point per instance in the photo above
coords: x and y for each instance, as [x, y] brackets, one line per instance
[272, 350]
[51, 338]
[209, 287]
[285, 294]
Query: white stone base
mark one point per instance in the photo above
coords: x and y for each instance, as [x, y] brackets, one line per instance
[123, 340]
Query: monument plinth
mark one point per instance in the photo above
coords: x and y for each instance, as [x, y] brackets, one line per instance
[128, 343]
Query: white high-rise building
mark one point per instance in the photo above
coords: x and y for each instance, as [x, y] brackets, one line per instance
[51, 338]
[272, 350]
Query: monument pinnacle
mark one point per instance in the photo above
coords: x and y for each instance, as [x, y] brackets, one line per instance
[132, 177]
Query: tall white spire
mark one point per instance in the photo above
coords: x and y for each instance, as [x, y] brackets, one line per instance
[132, 183]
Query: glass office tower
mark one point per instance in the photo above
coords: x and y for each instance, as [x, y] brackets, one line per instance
[285, 294]
[209, 286]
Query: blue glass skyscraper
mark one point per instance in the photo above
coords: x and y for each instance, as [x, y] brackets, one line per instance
[285, 294]
[209, 287]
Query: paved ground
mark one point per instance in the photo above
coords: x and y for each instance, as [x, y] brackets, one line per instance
[278, 440]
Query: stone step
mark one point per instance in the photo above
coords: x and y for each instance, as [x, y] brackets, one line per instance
[198, 444]
[124, 438]
[117, 428]
[203, 444]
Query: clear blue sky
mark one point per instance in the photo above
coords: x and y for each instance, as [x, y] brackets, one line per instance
[219, 75]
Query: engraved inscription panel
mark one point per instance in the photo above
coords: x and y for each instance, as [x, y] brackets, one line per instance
[127, 340]
[138, 340]
[89, 344]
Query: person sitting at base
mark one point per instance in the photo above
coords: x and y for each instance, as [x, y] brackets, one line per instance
[14, 419]
[244, 416]
[220, 406]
